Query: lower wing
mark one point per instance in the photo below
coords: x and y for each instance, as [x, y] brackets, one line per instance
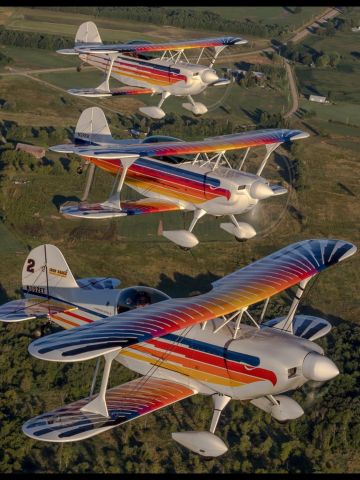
[112, 92]
[125, 403]
[30, 308]
[128, 207]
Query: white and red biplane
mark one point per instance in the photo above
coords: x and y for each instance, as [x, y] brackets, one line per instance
[169, 74]
[180, 347]
[156, 168]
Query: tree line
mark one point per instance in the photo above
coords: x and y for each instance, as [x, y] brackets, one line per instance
[17, 38]
[183, 18]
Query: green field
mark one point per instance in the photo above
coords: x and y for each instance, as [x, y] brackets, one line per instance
[35, 58]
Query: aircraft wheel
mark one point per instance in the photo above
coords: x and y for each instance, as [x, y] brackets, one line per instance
[37, 333]
[241, 240]
[78, 68]
[281, 422]
[186, 249]
[79, 170]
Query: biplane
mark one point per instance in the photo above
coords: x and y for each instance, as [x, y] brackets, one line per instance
[187, 346]
[134, 64]
[175, 175]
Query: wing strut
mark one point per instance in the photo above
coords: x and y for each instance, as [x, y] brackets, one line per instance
[269, 149]
[105, 85]
[114, 200]
[98, 405]
[89, 181]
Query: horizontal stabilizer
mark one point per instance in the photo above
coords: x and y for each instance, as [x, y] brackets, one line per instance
[98, 283]
[128, 207]
[124, 403]
[30, 308]
[247, 286]
[67, 51]
[112, 92]
[304, 326]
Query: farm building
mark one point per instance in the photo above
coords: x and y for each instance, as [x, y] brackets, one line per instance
[318, 98]
[38, 152]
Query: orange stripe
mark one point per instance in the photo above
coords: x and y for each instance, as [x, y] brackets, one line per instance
[196, 365]
[65, 321]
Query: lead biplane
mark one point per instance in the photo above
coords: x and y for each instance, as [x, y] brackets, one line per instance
[187, 346]
[169, 74]
[156, 168]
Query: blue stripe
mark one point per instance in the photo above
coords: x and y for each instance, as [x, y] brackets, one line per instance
[43, 295]
[215, 350]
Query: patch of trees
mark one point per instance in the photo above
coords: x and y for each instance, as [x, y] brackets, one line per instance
[300, 54]
[5, 60]
[183, 18]
[17, 38]
[325, 439]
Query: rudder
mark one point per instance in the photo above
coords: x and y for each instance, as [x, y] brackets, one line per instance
[87, 34]
[45, 267]
[92, 127]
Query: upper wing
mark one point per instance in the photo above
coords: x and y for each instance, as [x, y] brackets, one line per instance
[211, 144]
[125, 402]
[252, 284]
[128, 207]
[160, 47]
[30, 308]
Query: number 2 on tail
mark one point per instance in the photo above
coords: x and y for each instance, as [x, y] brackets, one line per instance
[30, 265]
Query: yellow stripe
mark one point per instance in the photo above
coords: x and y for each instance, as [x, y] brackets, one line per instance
[196, 374]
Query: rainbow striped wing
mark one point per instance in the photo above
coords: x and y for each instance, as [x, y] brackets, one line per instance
[212, 144]
[161, 47]
[125, 403]
[254, 283]
[30, 308]
[128, 207]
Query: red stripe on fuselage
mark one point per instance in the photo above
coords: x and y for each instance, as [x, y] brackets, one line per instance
[146, 72]
[230, 365]
[75, 315]
[170, 181]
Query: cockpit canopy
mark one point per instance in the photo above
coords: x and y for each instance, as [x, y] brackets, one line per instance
[137, 297]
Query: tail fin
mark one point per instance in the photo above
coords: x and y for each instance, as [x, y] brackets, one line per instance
[46, 268]
[87, 33]
[92, 127]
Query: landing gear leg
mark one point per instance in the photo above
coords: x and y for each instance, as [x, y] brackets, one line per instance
[185, 238]
[196, 108]
[206, 444]
[156, 112]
